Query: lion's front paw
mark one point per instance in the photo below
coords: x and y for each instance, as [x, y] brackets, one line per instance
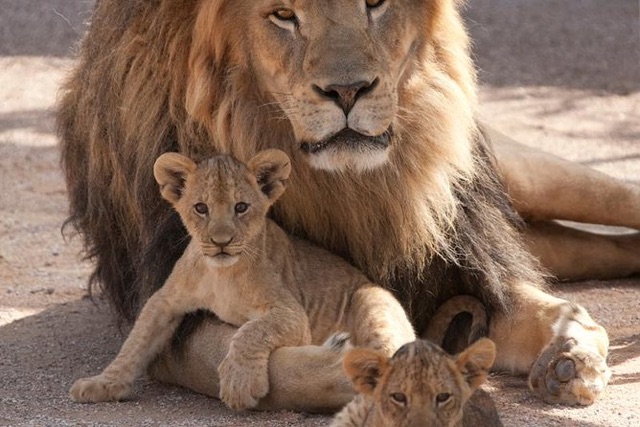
[99, 389]
[242, 382]
[569, 374]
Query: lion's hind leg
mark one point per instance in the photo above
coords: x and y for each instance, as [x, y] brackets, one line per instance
[544, 187]
[557, 342]
[574, 254]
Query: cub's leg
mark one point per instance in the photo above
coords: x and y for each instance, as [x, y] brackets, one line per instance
[244, 374]
[153, 329]
[377, 320]
[306, 378]
[545, 187]
[556, 342]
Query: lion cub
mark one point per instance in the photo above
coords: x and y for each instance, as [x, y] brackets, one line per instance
[421, 385]
[240, 265]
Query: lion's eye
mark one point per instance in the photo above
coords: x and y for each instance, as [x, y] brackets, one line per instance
[374, 3]
[399, 398]
[375, 8]
[201, 208]
[285, 19]
[241, 207]
[284, 15]
[442, 398]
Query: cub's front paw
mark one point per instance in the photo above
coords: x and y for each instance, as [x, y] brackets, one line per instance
[242, 382]
[99, 389]
[569, 374]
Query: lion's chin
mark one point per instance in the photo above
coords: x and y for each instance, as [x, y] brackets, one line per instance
[349, 149]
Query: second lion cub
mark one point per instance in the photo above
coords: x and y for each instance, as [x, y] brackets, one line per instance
[240, 265]
[420, 385]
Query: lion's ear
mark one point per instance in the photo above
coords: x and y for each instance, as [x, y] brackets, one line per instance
[365, 367]
[271, 169]
[474, 362]
[171, 171]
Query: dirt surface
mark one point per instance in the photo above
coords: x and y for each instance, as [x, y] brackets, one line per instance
[561, 75]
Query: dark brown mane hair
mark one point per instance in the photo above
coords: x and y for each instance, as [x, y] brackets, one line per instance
[157, 76]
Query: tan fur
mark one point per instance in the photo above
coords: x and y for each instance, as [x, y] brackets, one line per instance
[570, 191]
[568, 364]
[437, 329]
[420, 385]
[246, 270]
[410, 194]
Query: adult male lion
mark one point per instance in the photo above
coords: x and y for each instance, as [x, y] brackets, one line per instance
[374, 101]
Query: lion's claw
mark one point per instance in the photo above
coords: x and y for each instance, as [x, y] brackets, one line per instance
[99, 389]
[569, 374]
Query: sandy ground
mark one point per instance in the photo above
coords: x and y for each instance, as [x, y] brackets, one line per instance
[561, 75]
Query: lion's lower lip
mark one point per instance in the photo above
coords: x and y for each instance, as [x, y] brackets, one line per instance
[349, 139]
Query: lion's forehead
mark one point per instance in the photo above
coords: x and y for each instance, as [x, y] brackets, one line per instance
[329, 12]
[329, 30]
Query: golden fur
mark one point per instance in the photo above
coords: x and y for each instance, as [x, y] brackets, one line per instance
[245, 269]
[375, 106]
[451, 327]
[420, 385]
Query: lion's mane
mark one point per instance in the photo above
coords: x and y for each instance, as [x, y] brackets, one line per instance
[157, 76]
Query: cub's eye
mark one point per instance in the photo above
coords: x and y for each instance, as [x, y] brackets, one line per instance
[442, 398]
[241, 207]
[372, 4]
[284, 15]
[399, 398]
[201, 208]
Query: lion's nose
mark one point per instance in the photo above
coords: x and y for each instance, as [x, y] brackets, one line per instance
[346, 95]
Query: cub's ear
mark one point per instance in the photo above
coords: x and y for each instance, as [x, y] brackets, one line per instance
[365, 367]
[271, 169]
[474, 362]
[171, 171]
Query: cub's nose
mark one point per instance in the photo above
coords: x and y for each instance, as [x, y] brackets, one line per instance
[221, 242]
[346, 95]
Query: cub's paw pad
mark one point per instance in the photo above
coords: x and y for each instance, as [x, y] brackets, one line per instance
[242, 384]
[98, 389]
[569, 374]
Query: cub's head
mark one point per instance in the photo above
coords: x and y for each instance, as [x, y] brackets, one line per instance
[420, 385]
[345, 74]
[222, 202]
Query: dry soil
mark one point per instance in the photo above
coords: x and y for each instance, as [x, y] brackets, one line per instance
[561, 75]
